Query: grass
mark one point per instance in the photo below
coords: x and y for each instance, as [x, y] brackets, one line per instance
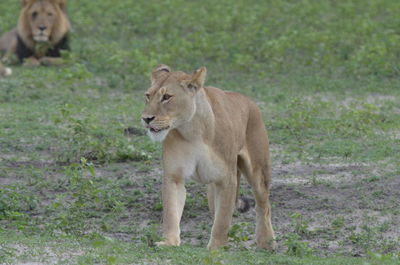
[79, 180]
[67, 250]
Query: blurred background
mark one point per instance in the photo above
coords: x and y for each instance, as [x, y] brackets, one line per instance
[125, 39]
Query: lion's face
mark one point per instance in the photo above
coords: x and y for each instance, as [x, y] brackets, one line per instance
[42, 17]
[170, 101]
[43, 20]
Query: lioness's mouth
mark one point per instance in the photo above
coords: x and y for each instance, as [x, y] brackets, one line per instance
[157, 130]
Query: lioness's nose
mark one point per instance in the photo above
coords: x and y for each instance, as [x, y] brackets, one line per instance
[148, 119]
[42, 28]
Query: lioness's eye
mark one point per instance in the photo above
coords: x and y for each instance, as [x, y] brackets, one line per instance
[166, 97]
[49, 14]
[147, 96]
[34, 15]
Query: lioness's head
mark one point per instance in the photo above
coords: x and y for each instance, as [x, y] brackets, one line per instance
[170, 101]
[43, 21]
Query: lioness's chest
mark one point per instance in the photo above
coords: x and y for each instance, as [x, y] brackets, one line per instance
[196, 161]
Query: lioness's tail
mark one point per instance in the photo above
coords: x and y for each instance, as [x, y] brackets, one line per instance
[243, 204]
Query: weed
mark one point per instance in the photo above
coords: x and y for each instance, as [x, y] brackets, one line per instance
[6, 252]
[338, 222]
[299, 224]
[150, 235]
[359, 120]
[383, 258]
[214, 258]
[84, 193]
[15, 202]
[82, 137]
[295, 246]
[372, 179]
[239, 232]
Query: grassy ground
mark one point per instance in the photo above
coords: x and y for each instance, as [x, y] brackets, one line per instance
[79, 181]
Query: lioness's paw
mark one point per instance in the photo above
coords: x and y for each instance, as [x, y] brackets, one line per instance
[269, 246]
[216, 244]
[166, 243]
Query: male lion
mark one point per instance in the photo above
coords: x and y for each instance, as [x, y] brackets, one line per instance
[211, 136]
[41, 33]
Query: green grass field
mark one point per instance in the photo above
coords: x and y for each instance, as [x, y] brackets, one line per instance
[80, 181]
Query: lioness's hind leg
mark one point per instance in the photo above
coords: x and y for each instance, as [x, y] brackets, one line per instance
[259, 184]
[264, 231]
[255, 164]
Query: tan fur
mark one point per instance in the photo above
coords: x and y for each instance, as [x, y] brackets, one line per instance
[49, 14]
[211, 136]
[8, 42]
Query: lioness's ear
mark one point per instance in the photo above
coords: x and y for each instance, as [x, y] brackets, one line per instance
[198, 78]
[158, 72]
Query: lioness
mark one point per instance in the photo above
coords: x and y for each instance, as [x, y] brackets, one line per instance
[213, 137]
[41, 33]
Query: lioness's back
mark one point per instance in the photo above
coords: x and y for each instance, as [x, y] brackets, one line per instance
[237, 114]
[231, 105]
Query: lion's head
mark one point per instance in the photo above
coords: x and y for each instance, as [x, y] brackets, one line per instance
[43, 21]
[170, 101]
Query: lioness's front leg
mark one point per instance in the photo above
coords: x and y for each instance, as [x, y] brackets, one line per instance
[225, 197]
[173, 197]
[211, 199]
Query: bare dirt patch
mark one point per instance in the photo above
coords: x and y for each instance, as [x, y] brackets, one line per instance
[343, 211]
[344, 208]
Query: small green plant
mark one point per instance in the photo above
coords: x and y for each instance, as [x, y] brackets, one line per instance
[379, 258]
[80, 137]
[14, 202]
[293, 241]
[295, 246]
[239, 232]
[338, 222]
[299, 224]
[150, 235]
[83, 137]
[358, 121]
[85, 197]
[5, 253]
[214, 258]
[372, 179]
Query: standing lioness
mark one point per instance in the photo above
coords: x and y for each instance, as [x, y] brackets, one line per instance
[211, 136]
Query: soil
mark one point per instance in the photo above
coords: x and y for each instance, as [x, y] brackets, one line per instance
[343, 210]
